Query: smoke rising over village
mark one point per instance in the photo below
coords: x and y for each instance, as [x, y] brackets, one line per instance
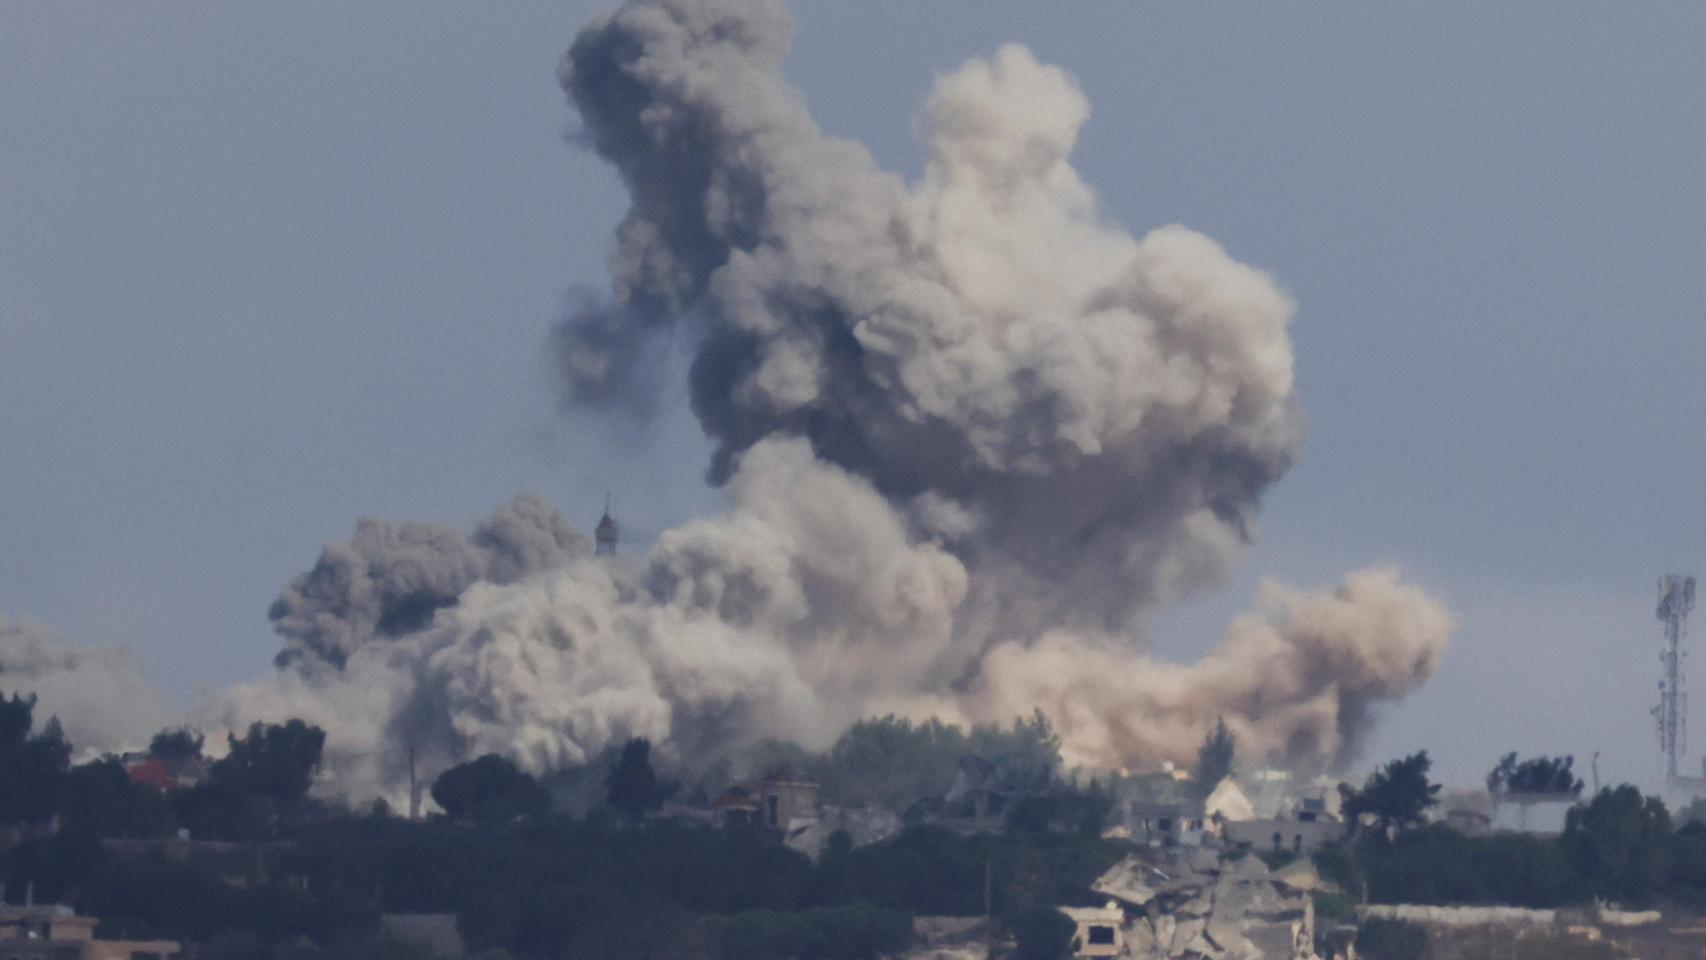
[972, 437]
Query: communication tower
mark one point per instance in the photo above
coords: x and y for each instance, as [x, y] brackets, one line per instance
[604, 535]
[1676, 599]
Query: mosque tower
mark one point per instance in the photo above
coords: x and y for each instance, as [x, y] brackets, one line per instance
[604, 535]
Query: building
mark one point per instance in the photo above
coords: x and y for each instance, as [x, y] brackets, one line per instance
[605, 535]
[164, 773]
[1166, 824]
[1290, 834]
[1099, 931]
[1160, 808]
[770, 804]
[1540, 814]
[54, 932]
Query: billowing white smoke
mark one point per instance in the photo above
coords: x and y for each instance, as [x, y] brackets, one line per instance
[1295, 681]
[100, 697]
[971, 435]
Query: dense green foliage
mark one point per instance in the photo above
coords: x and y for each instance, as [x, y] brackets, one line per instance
[1438, 865]
[1620, 843]
[32, 764]
[489, 788]
[525, 883]
[101, 800]
[1395, 796]
[1214, 759]
[1538, 775]
[633, 786]
[895, 761]
[855, 931]
[559, 886]
[180, 743]
[1041, 932]
[259, 789]
[275, 760]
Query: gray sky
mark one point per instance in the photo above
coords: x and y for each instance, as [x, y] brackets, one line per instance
[268, 268]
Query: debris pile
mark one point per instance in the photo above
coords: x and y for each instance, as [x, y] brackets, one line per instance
[1192, 904]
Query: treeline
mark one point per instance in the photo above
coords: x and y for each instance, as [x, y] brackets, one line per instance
[258, 790]
[597, 887]
[293, 877]
[1619, 846]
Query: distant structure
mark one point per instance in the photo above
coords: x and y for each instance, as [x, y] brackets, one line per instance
[1676, 599]
[604, 535]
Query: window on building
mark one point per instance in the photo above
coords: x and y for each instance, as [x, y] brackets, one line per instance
[1101, 936]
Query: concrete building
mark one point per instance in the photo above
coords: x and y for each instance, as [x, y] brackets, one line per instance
[1167, 824]
[56, 933]
[770, 804]
[1539, 814]
[1099, 932]
[1281, 835]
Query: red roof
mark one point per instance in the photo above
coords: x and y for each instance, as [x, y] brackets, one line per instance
[151, 771]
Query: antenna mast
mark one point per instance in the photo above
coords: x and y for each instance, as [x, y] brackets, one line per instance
[1676, 599]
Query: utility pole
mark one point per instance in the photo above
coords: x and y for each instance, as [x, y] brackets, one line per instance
[414, 787]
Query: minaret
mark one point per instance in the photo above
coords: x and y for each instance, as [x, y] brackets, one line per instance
[604, 535]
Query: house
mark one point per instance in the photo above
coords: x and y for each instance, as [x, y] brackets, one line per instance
[1159, 809]
[164, 773]
[1228, 801]
[1291, 834]
[771, 804]
[1542, 814]
[55, 932]
[1099, 932]
[1167, 824]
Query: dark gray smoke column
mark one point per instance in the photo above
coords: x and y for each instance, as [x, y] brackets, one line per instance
[389, 579]
[1086, 419]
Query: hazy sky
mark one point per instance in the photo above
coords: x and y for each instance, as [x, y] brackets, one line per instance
[268, 268]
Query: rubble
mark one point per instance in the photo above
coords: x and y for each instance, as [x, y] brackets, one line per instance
[1192, 905]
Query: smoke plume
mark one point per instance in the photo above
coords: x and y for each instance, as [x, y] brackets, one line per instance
[971, 434]
[389, 578]
[100, 697]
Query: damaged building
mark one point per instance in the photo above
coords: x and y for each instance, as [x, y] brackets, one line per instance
[1190, 903]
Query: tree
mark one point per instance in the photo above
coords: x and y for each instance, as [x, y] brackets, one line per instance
[1042, 932]
[893, 760]
[1620, 842]
[1397, 795]
[180, 743]
[1550, 776]
[489, 788]
[634, 785]
[275, 760]
[102, 801]
[1214, 758]
[32, 766]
